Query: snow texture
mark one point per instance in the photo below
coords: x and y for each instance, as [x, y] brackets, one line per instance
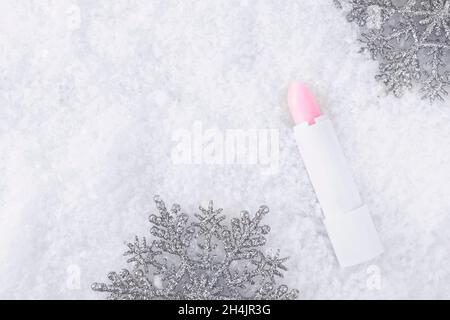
[91, 94]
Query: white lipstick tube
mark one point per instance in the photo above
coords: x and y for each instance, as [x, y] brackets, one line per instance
[346, 218]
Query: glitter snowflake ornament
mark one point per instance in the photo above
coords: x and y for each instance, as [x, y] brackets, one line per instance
[410, 39]
[201, 259]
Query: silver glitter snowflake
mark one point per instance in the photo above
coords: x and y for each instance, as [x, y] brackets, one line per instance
[410, 39]
[201, 259]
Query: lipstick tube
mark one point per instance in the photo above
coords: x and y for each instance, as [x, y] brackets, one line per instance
[346, 218]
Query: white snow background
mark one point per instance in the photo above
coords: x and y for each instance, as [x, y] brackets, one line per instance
[92, 91]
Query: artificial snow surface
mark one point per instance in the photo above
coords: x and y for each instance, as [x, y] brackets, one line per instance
[91, 94]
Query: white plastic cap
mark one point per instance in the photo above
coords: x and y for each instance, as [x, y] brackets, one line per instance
[353, 236]
[348, 222]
